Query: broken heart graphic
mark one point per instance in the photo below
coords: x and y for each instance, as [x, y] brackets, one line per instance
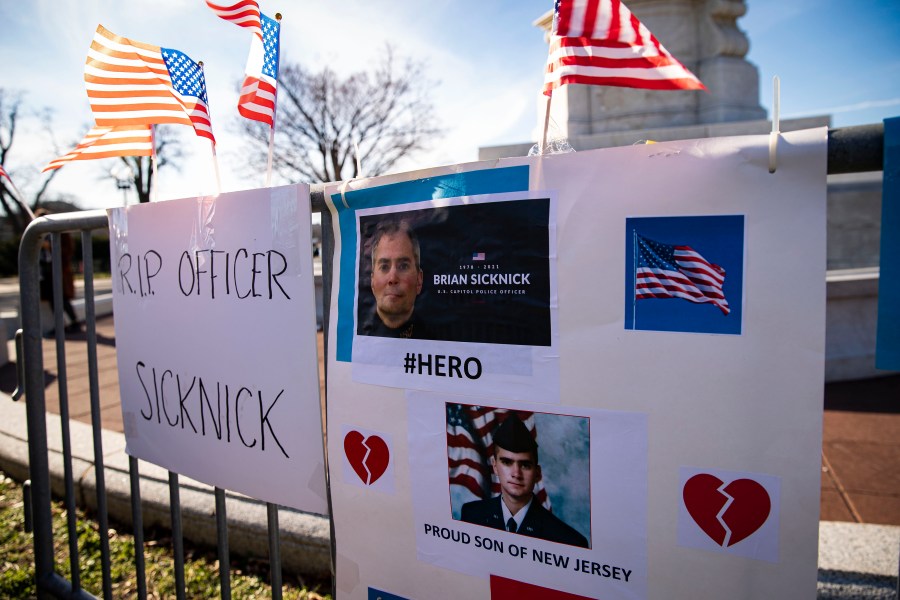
[369, 456]
[726, 513]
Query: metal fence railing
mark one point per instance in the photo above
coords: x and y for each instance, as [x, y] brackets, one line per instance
[49, 581]
[851, 149]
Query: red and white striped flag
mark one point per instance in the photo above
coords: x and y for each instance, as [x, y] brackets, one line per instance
[244, 13]
[669, 271]
[470, 444]
[131, 83]
[259, 89]
[600, 42]
[106, 142]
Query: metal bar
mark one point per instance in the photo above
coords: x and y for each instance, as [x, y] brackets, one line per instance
[62, 387]
[137, 527]
[317, 200]
[96, 425]
[177, 539]
[274, 550]
[57, 586]
[222, 545]
[327, 277]
[35, 406]
[47, 581]
[856, 149]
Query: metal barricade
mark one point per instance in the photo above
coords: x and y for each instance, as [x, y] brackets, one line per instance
[48, 581]
[852, 149]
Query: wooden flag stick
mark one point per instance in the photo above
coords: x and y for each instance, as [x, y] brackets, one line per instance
[269, 162]
[553, 26]
[154, 185]
[212, 144]
[776, 124]
[216, 166]
[19, 198]
[546, 125]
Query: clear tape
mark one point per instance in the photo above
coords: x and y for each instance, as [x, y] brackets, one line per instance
[284, 211]
[203, 232]
[554, 146]
[347, 574]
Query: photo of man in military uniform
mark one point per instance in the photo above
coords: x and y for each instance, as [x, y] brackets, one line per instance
[515, 463]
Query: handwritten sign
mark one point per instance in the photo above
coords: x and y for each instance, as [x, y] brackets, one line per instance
[215, 335]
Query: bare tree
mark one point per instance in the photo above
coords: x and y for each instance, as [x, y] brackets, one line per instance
[168, 152]
[322, 118]
[10, 115]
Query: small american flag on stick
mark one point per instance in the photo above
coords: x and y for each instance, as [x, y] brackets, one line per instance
[600, 42]
[259, 89]
[131, 83]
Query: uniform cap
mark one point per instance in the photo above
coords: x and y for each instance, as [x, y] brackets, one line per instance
[513, 436]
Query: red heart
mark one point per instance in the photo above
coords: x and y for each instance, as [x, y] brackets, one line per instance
[705, 497]
[369, 457]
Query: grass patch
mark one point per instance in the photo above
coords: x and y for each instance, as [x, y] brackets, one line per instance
[249, 578]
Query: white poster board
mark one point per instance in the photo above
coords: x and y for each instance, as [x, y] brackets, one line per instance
[684, 443]
[215, 337]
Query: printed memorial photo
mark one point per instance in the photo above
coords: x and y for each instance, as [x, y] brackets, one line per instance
[469, 272]
[520, 471]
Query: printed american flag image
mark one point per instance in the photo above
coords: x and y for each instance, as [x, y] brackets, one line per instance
[244, 13]
[105, 142]
[470, 444]
[131, 83]
[669, 271]
[258, 91]
[600, 42]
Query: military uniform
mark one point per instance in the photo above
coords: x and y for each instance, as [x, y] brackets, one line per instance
[538, 522]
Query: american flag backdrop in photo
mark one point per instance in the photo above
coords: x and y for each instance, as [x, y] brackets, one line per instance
[470, 444]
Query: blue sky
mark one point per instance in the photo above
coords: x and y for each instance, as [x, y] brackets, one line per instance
[833, 58]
